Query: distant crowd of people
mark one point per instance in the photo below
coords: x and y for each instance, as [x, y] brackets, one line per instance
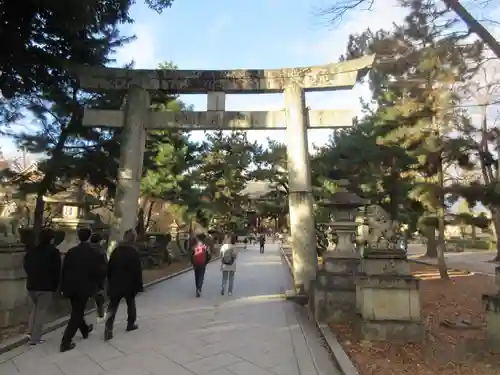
[87, 274]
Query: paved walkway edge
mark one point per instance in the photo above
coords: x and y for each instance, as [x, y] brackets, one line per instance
[340, 357]
[52, 326]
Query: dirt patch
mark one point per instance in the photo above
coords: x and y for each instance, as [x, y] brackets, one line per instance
[148, 276]
[446, 351]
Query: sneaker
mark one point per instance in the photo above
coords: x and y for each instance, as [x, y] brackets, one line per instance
[222, 292]
[101, 319]
[198, 293]
[33, 343]
[230, 294]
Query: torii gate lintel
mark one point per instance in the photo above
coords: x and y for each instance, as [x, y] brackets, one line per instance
[137, 118]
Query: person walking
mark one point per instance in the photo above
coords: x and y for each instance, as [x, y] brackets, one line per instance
[200, 256]
[124, 282]
[262, 242]
[100, 296]
[229, 253]
[42, 265]
[83, 272]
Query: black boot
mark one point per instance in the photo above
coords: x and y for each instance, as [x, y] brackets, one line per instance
[131, 327]
[90, 329]
[108, 335]
[67, 347]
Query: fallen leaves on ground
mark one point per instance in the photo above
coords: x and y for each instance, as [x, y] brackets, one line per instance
[445, 351]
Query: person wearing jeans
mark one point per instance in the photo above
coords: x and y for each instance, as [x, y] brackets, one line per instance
[42, 265]
[200, 257]
[229, 254]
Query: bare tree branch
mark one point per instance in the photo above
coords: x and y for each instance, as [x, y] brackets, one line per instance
[337, 11]
[341, 7]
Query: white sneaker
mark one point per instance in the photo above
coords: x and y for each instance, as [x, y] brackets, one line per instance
[230, 294]
[101, 320]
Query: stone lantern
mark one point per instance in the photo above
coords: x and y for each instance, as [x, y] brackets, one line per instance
[74, 214]
[334, 290]
[174, 248]
[343, 206]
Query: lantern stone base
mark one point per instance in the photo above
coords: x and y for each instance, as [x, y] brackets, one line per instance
[333, 295]
[492, 307]
[388, 299]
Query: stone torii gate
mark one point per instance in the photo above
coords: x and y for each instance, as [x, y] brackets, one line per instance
[137, 118]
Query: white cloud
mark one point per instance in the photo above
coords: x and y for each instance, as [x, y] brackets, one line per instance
[142, 50]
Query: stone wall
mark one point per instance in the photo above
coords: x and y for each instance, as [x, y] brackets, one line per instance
[14, 307]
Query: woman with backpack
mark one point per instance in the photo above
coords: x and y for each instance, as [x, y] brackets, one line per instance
[229, 253]
[200, 256]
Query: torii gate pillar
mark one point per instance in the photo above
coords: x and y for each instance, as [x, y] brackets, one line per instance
[132, 146]
[300, 198]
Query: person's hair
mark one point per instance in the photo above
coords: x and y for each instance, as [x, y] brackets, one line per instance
[84, 234]
[200, 237]
[46, 236]
[95, 238]
[130, 235]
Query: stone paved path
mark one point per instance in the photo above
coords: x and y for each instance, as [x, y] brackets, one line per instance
[254, 332]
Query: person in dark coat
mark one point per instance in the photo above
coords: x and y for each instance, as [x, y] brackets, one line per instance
[83, 272]
[99, 298]
[124, 281]
[262, 243]
[42, 265]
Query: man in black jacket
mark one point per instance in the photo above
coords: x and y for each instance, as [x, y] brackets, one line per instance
[83, 272]
[42, 265]
[124, 281]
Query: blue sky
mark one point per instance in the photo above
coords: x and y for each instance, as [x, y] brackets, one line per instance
[225, 34]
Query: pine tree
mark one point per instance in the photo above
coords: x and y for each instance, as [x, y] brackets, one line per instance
[429, 62]
[222, 175]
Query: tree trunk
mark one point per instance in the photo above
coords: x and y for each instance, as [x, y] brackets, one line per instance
[443, 271]
[474, 26]
[148, 217]
[430, 234]
[495, 220]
